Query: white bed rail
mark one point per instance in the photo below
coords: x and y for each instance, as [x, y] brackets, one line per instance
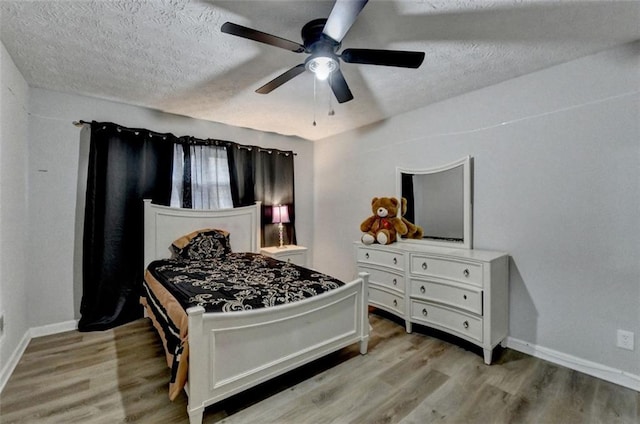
[232, 352]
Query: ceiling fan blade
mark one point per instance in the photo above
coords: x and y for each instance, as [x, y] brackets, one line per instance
[281, 79]
[403, 59]
[339, 86]
[262, 37]
[342, 17]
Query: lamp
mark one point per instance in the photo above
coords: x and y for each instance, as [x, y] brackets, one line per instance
[280, 215]
[322, 66]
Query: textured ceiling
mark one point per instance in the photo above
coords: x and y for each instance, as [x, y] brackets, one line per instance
[170, 55]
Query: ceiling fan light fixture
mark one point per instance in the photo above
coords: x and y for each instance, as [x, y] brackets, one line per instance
[322, 66]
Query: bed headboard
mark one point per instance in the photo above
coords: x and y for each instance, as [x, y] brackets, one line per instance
[163, 225]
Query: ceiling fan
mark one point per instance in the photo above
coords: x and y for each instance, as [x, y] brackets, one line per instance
[322, 39]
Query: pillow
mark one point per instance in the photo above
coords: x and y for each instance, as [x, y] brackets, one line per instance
[202, 244]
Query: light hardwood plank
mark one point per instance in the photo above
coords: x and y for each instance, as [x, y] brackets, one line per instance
[120, 375]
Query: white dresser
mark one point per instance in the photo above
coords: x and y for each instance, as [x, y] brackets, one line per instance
[459, 291]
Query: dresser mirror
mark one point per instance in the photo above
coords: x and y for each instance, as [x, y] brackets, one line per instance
[440, 201]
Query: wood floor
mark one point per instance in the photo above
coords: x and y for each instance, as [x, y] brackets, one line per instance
[121, 376]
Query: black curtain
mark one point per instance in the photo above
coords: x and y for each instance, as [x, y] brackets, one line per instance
[264, 175]
[242, 175]
[125, 166]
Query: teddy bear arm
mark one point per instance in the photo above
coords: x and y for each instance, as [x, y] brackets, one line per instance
[410, 226]
[367, 224]
[400, 226]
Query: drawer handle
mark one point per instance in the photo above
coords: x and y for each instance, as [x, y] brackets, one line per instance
[465, 324]
[464, 296]
[395, 302]
[422, 289]
[366, 256]
[395, 282]
[424, 312]
[465, 272]
[424, 265]
[395, 261]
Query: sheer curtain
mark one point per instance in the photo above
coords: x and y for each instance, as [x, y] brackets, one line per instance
[201, 177]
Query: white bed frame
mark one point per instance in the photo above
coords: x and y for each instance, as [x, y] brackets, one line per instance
[231, 352]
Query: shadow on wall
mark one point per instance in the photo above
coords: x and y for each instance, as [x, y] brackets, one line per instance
[83, 163]
[523, 314]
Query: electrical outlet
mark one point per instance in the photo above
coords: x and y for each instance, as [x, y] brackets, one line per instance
[625, 340]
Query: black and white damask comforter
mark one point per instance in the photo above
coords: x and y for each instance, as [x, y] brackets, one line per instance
[229, 283]
[238, 282]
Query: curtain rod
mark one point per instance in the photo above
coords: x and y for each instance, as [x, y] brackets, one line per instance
[80, 123]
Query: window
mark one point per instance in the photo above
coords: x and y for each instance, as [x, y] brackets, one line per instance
[206, 184]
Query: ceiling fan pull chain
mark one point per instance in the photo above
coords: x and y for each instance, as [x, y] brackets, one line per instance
[314, 102]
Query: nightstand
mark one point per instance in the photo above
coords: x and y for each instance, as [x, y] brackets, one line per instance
[288, 253]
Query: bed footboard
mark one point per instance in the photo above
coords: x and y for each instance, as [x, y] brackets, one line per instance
[229, 353]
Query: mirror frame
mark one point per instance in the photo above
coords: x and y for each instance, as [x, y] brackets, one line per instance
[465, 162]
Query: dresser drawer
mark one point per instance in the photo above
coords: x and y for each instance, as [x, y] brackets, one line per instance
[469, 299]
[450, 320]
[467, 272]
[385, 278]
[386, 300]
[382, 258]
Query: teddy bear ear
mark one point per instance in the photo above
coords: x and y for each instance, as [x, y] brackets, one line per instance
[374, 200]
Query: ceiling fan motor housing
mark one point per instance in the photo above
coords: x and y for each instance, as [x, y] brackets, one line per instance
[313, 39]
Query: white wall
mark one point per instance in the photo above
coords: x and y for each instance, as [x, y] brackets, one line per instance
[13, 207]
[54, 145]
[557, 185]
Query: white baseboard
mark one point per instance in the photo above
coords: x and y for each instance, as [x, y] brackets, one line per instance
[594, 369]
[11, 364]
[44, 330]
[47, 330]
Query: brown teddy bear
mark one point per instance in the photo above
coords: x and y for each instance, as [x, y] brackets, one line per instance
[384, 224]
[413, 231]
